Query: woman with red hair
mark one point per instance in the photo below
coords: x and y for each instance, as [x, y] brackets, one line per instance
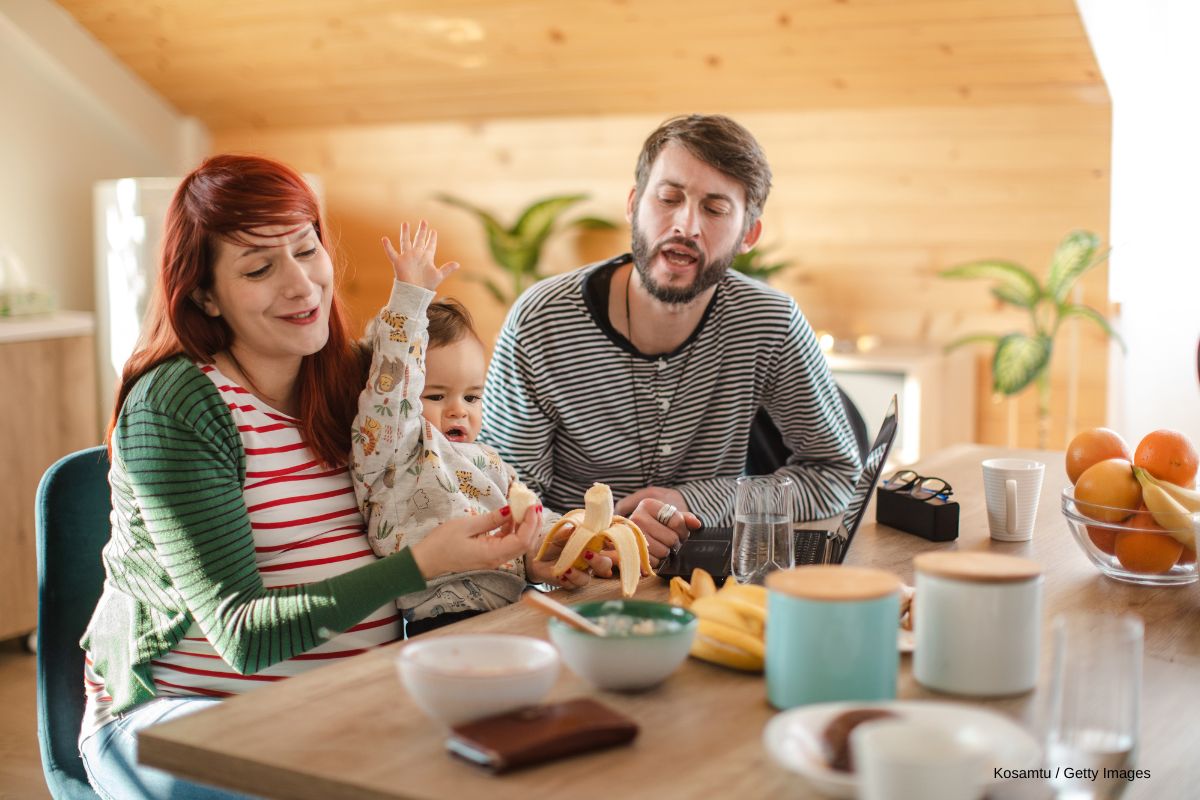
[238, 555]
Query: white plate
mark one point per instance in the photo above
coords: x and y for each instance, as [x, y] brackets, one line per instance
[793, 738]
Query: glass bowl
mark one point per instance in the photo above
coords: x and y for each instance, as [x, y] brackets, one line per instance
[1133, 550]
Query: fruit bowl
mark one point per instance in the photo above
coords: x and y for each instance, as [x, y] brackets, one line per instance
[1134, 549]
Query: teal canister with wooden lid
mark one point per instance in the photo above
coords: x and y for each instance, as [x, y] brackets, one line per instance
[831, 635]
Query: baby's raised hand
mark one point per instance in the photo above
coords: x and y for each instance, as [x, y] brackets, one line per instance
[414, 263]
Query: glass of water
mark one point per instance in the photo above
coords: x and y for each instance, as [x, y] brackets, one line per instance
[762, 526]
[1095, 693]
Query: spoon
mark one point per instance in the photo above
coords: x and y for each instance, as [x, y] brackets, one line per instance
[550, 606]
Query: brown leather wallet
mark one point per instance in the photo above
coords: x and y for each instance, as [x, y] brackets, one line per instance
[540, 733]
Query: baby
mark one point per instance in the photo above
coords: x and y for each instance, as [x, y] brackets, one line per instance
[416, 463]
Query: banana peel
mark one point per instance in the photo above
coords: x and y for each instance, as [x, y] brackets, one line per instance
[593, 526]
[732, 620]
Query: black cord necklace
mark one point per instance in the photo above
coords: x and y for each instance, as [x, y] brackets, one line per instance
[648, 472]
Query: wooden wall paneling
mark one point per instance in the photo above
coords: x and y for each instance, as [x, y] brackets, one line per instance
[869, 204]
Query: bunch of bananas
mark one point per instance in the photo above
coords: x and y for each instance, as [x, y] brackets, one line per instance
[733, 620]
[1173, 507]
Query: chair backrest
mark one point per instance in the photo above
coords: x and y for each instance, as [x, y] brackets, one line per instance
[73, 505]
[768, 452]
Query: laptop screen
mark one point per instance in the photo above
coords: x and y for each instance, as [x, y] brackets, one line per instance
[872, 466]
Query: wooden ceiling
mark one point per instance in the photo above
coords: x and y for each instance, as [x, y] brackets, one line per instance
[286, 63]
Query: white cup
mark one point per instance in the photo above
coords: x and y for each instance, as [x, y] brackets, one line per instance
[897, 758]
[1012, 487]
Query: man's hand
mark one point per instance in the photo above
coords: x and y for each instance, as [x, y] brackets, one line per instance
[414, 261]
[661, 538]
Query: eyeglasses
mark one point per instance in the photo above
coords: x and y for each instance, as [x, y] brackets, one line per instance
[923, 488]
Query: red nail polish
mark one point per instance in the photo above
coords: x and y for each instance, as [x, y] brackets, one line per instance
[539, 508]
[588, 555]
[504, 512]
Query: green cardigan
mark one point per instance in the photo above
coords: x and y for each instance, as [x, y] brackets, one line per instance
[182, 548]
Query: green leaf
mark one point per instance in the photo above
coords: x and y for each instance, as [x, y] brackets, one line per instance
[486, 218]
[507, 250]
[593, 224]
[1087, 312]
[1075, 255]
[536, 221]
[972, 338]
[1019, 282]
[1005, 294]
[1018, 361]
[494, 290]
[519, 249]
[754, 263]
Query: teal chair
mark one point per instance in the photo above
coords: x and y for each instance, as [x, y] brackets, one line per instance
[73, 505]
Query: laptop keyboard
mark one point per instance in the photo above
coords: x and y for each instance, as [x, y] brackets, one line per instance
[810, 546]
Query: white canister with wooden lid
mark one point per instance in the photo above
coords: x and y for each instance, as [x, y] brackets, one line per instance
[977, 621]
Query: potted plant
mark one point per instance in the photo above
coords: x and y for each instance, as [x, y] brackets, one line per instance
[1023, 357]
[517, 249]
[754, 263]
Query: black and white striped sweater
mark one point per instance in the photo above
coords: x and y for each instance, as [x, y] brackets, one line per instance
[569, 401]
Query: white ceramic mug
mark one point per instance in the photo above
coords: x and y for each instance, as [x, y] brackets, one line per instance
[897, 758]
[1012, 487]
[978, 619]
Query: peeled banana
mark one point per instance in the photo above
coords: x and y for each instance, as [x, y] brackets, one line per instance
[520, 499]
[733, 620]
[1166, 503]
[594, 525]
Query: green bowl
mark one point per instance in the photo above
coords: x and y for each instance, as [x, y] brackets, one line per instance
[625, 662]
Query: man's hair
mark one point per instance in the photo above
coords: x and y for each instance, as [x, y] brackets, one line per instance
[722, 144]
[449, 321]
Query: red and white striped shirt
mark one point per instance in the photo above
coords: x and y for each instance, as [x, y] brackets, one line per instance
[307, 528]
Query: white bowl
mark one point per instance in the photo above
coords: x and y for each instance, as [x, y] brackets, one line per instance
[631, 662]
[455, 679]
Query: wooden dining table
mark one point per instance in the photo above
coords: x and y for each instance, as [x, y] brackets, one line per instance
[350, 730]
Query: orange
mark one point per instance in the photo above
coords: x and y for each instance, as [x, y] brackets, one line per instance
[1091, 446]
[1188, 556]
[1153, 552]
[1169, 456]
[1108, 483]
[1104, 538]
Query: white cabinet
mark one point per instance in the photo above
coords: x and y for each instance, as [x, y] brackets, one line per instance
[936, 393]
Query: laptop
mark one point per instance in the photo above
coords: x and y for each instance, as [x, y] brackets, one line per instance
[711, 549]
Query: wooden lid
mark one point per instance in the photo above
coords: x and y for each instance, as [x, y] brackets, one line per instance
[827, 582]
[977, 567]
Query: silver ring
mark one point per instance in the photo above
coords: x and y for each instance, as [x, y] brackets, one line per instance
[665, 513]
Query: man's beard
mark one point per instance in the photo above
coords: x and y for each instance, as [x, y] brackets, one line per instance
[707, 273]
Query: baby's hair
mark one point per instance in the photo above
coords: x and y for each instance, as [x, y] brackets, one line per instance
[449, 321]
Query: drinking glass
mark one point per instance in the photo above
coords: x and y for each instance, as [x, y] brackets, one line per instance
[1095, 691]
[762, 526]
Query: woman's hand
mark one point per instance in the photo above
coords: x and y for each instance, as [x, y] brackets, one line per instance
[661, 538]
[476, 542]
[414, 263]
[542, 571]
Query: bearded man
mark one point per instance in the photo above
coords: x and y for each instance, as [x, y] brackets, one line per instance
[645, 371]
